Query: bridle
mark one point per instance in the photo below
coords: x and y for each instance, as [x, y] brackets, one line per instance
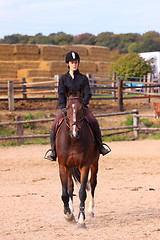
[68, 119]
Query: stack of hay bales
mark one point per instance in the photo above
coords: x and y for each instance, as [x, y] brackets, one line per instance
[52, 59]
[86, 65]
[7, 70]
[27, 64]
[23, 52]
[96, 53]
[94, 59]
[36, 76]
[32, 73]
[6, 52]
[100, 55]
[57, 67]
[39, 63]
[51, 53]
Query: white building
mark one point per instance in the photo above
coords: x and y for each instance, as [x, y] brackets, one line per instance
[155, 56]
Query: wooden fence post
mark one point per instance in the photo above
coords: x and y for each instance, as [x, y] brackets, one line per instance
[91, 81]
[24, 89]
[56, 78]
[20, 130]
[149, 80]
[11, 96]
[113, 86]
[145, 82]
[120, 95]
[135, 123]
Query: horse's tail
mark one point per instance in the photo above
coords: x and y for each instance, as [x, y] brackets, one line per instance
[77, 177]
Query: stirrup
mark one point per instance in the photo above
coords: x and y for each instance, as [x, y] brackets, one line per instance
[48, 157]
[108, 150]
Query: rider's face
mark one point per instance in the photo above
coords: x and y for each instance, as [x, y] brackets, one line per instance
[73, 65]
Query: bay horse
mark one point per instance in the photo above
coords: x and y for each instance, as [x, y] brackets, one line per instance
[78, 154]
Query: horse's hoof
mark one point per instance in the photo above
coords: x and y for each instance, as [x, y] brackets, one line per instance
[81, 226]
[69, 217]
[91, 214]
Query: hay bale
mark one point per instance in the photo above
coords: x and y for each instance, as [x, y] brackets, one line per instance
[27, 64]
[7, 49]
[6, 52]
[57, 67]
[103, 68]
[88, 67]
[6, 57]
[29, 73]
[44, 65]
[23, 52]
[51, 53]
[28, 49]
[96, 53]
[8, 64]
[6, 73]
[26, 57]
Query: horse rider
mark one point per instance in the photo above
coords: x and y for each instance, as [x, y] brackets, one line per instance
[73, 80]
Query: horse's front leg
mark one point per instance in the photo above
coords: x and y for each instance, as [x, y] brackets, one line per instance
[70, 191]
[82, 197]
[93, 183]
[65, 196]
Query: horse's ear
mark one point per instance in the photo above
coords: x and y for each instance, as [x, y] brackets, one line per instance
[67, 92]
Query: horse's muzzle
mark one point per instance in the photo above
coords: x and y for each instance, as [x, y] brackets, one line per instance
[76, 135]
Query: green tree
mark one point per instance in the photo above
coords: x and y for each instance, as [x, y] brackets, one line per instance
[85, 38]
[125, 40]
[133, 47]
[38, 39]
[63, 38]
[107, 39]
[11, 39]
[131, 65]
[149, 45]
[151, 34]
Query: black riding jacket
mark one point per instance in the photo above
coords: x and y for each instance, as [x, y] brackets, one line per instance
[66, 82]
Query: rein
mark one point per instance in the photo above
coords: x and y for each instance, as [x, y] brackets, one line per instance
[74, 123]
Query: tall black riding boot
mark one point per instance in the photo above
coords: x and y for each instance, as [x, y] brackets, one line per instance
[98, 137]
[53, 154]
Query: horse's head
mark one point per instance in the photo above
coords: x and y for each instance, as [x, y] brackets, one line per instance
[75, 113]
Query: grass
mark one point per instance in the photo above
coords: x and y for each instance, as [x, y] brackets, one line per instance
[28, 128]
[113, 138]
[144, 122]
[44, 128]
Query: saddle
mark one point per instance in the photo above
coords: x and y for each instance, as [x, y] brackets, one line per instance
[58, 125]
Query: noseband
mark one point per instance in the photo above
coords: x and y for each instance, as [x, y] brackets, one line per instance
[77, 121]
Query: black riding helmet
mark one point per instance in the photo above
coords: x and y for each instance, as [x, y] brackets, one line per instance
[72, 56]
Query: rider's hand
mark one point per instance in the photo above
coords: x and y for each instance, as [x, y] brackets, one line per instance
[64, 111]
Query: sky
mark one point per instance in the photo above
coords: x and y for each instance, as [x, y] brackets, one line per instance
[30, 17]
